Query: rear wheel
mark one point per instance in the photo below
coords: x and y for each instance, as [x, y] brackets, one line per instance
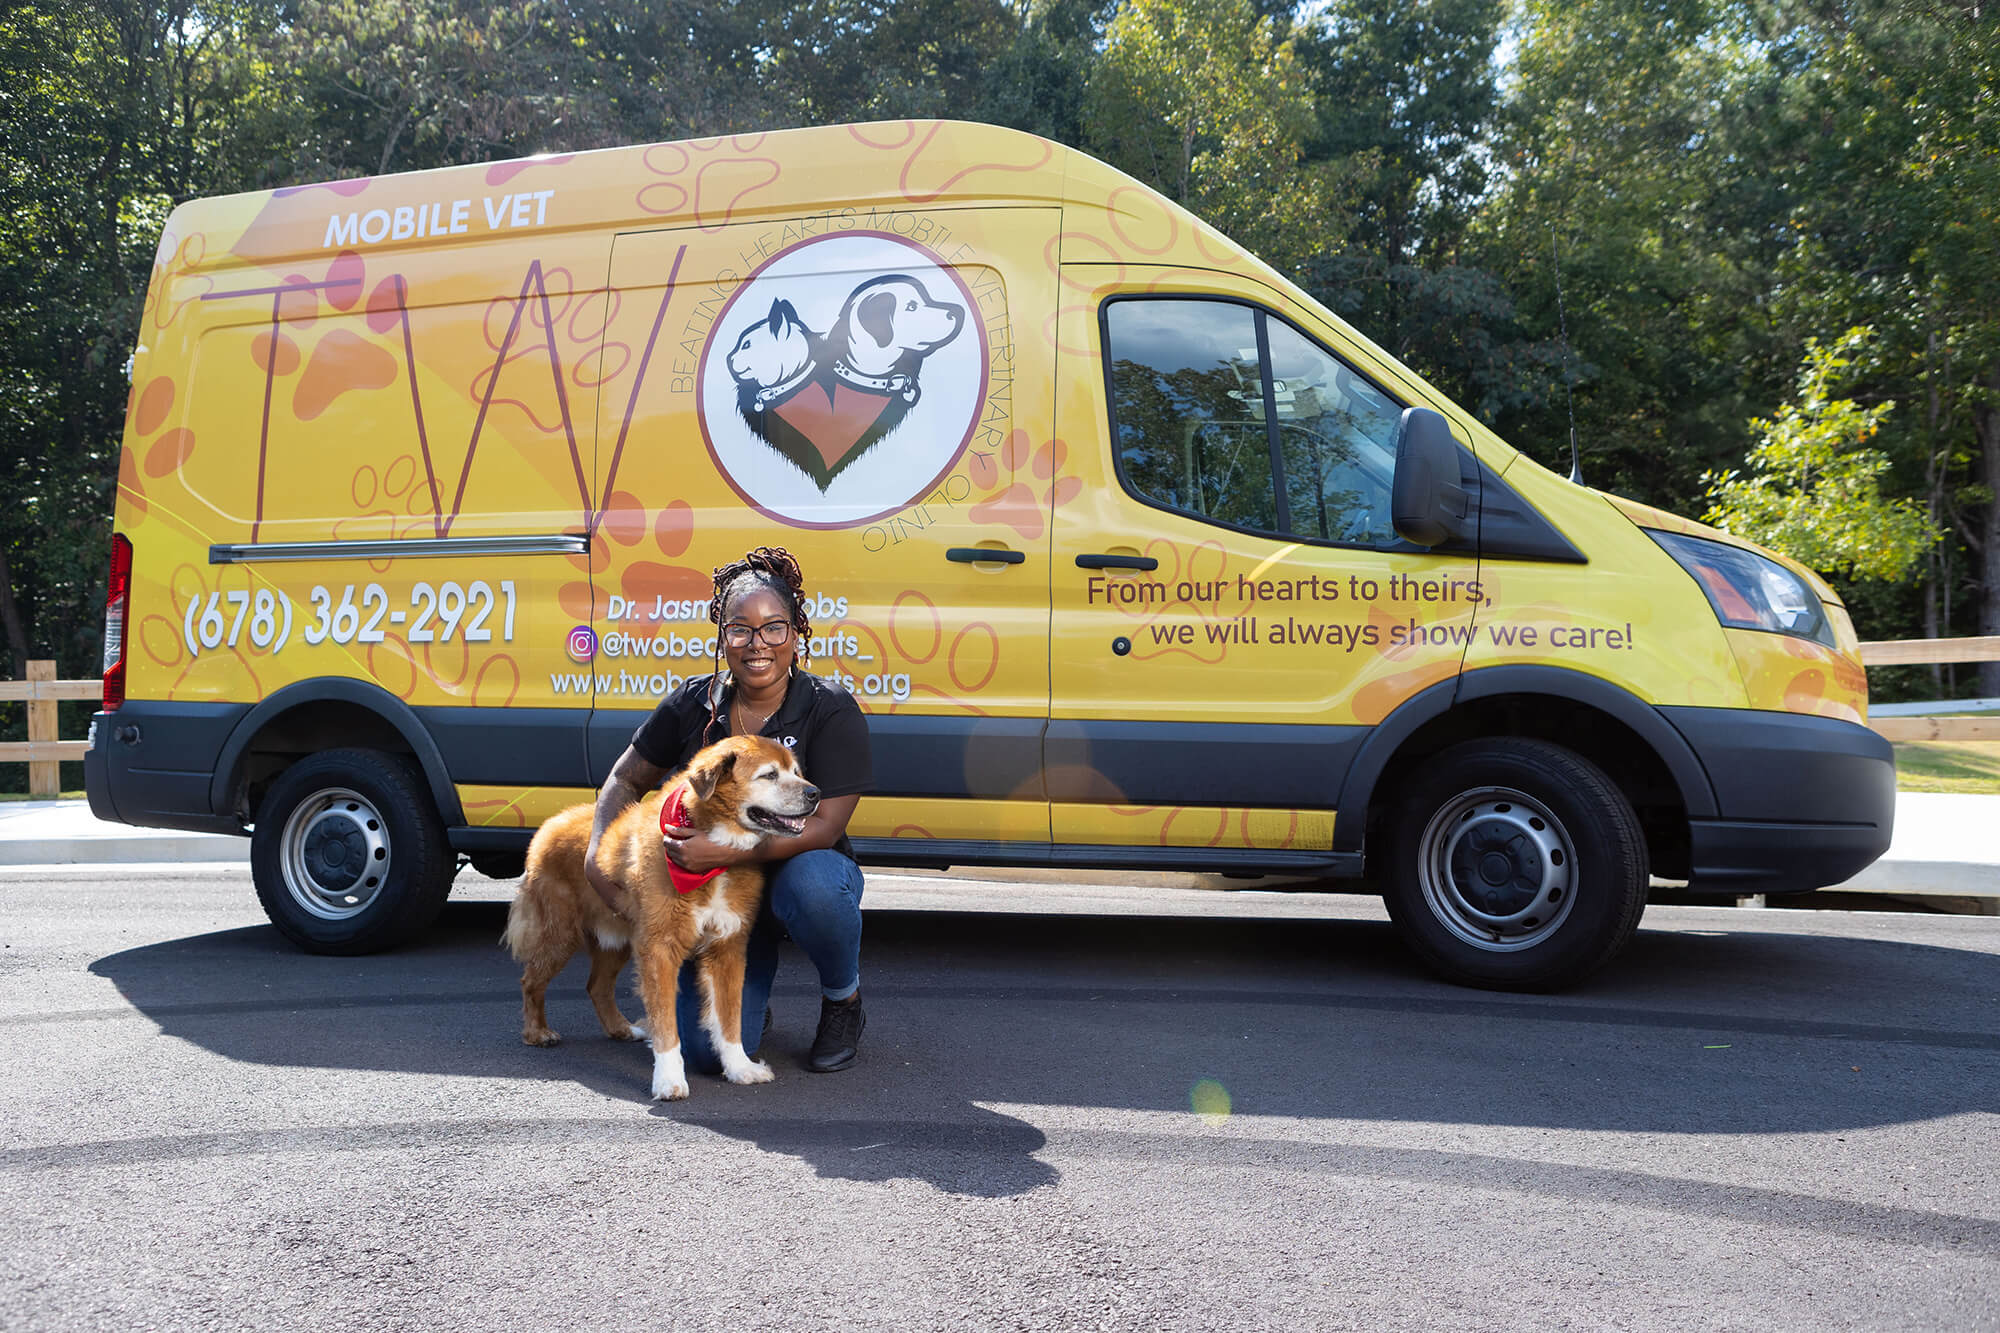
[1515, 864]
[348, 853]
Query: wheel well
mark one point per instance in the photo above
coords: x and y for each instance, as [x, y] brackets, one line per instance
[1596, 735]
[326, 724]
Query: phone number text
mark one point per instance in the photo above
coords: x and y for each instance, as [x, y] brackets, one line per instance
[348, 614]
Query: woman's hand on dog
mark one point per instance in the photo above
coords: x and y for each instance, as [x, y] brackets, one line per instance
[690, 850]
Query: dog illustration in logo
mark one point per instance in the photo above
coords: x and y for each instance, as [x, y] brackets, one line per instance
[823, 400]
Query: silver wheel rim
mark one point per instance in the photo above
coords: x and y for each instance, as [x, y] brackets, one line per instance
[335, 854]
[1497, 869]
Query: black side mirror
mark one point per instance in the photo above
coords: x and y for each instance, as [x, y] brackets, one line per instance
[1427, 502]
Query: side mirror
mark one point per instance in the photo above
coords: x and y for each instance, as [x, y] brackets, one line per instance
[1427, 503]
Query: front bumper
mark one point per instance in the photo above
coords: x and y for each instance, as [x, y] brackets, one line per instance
[1801, 802]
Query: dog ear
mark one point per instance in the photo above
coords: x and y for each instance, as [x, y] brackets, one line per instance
[703, 778]
[877, 316]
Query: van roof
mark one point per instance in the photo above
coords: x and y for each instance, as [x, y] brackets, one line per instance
[710, 184]
[262, 239]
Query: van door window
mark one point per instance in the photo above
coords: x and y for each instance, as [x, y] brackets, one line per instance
[1188, 403]
[1337, 434]
[1189, 395]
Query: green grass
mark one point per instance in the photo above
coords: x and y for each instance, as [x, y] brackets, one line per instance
[23, 796]
[1956, 766]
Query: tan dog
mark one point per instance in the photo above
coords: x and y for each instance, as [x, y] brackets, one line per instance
[739, 792]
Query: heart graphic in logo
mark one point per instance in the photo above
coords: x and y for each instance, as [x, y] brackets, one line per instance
[832, 420]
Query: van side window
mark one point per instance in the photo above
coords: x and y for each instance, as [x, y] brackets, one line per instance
[1188, 394]
[1338, 436]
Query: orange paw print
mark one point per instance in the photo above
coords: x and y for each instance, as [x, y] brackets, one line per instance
[1026, 506]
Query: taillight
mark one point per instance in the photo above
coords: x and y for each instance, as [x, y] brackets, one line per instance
[117, 609]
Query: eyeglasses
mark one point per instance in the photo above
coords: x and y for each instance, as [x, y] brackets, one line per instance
[771, 633]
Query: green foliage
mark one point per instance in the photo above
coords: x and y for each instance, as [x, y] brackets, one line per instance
[1813, 490]
[1208, 102]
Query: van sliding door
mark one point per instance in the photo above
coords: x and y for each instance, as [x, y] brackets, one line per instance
[846, 386]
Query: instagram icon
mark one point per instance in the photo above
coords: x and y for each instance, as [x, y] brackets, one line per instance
[582, 643]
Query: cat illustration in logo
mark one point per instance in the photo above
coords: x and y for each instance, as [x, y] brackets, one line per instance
[823, 400]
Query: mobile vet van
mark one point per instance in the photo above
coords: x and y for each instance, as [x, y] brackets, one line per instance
[1134, 555]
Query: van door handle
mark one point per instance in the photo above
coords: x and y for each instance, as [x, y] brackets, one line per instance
[1116, 562]
[968, 555]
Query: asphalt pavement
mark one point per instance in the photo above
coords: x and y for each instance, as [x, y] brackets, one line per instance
[1079, 1105]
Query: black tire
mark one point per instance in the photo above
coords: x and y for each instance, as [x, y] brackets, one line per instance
[348, 853]
[1514, 865]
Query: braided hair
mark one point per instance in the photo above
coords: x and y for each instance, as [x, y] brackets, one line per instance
[770, 569]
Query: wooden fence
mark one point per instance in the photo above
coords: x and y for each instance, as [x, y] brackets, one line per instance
[1922, 652]
[44, 750]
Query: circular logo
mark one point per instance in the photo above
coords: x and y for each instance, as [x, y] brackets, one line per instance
[582, 643]
[843, 380]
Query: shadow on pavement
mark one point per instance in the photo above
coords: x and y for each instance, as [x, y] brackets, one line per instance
[1725, 1031]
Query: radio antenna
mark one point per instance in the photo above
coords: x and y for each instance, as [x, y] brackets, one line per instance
[1569, 383]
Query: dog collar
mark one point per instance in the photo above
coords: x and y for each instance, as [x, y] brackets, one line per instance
[766, 397]
[898, 384]
[673, 810]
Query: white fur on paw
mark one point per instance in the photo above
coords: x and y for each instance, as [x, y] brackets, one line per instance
[638, 1033]
[669, 1076]
[756, 1071]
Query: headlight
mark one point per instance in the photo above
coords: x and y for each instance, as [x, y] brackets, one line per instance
[1748, 591]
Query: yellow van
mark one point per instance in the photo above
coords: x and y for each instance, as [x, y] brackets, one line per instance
[1134, 555]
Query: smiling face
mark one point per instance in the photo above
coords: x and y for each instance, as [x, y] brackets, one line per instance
[758, 664]
[747, 788]
[776, 798]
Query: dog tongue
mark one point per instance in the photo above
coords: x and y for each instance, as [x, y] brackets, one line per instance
[833, 422]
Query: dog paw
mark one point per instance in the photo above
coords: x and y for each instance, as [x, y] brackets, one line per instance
[632, 1032]
[669, 1076]
[754, 1072]
[541, 1038]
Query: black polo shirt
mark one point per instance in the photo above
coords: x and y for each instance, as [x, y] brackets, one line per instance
[820, 722]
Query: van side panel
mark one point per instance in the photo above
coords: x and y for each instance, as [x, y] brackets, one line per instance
[1627, 615]
[869, 388]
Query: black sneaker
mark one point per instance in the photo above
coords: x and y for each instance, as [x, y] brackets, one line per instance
[836, 1044]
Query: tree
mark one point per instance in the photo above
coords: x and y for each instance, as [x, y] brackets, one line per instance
[1813, 489]
[1621, 155]
[114, 111]
[845, 60]
[1208, 102]
[1883, 142]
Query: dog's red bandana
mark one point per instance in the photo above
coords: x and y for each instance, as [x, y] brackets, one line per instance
[673, 810]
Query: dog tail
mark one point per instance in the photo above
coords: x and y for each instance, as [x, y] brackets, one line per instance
[524, 919]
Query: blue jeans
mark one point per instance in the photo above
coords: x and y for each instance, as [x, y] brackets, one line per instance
[816, 896]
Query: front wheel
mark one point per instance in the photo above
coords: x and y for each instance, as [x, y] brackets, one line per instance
[348, 854]
[1515, 865]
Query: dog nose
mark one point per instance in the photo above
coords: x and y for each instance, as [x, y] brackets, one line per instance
[812, 793]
